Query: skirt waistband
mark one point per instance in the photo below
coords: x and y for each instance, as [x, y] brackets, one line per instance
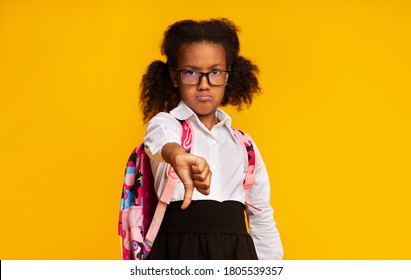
[205, 216]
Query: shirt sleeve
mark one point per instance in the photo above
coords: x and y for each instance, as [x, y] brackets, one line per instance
[161, 130]
[263, 229]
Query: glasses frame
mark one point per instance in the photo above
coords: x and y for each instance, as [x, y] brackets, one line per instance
[201, 76]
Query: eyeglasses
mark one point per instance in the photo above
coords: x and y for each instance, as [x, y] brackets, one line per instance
[192, 77]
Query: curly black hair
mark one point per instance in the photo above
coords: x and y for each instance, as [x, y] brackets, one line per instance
[157, 91]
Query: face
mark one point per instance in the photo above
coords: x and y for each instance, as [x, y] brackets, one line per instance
[204, 98]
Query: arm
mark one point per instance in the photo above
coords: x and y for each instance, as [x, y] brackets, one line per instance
[263, 228]
[162, 142]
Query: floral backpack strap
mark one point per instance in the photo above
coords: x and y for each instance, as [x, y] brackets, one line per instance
[250, 162]
[170, 185]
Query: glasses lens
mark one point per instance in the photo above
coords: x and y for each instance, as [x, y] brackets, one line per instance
[218, 78]
[189, 77]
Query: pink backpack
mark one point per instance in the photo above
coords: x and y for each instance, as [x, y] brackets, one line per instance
[141, 212]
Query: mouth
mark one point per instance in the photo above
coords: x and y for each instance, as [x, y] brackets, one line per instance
[202, 97]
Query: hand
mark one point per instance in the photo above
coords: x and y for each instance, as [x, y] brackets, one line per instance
[193, 171]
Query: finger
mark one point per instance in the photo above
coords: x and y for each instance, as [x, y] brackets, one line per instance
[194, 160]
[199, 166]
[188, 195]
[202, 177]
[202, 187]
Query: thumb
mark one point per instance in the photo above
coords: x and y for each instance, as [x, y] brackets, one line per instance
[188, 194]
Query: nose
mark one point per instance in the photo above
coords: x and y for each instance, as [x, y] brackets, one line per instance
[204, 84]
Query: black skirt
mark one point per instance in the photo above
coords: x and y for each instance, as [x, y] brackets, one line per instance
[206, 230]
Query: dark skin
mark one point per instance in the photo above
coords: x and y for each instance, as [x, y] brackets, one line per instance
[193, 171]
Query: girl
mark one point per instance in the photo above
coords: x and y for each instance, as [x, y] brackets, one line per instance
[205, 219]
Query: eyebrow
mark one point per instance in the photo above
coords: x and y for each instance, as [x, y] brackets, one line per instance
[194, 67]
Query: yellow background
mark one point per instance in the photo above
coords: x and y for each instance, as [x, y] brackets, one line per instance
[333, 122]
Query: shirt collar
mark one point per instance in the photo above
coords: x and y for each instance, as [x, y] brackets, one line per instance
[183, 112]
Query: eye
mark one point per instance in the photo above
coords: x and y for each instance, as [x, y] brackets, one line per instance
[215, 72]
[189, 73]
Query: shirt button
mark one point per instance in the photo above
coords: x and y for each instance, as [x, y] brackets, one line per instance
[213, 142]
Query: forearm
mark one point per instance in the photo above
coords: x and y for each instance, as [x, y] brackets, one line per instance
[266, 237]
[170, 152]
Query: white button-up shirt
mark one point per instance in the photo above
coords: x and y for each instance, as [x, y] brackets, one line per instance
[225, 156]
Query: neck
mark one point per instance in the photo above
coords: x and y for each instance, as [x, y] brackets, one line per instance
[208, 121]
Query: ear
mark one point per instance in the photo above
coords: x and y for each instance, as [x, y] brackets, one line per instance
[173, 76]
